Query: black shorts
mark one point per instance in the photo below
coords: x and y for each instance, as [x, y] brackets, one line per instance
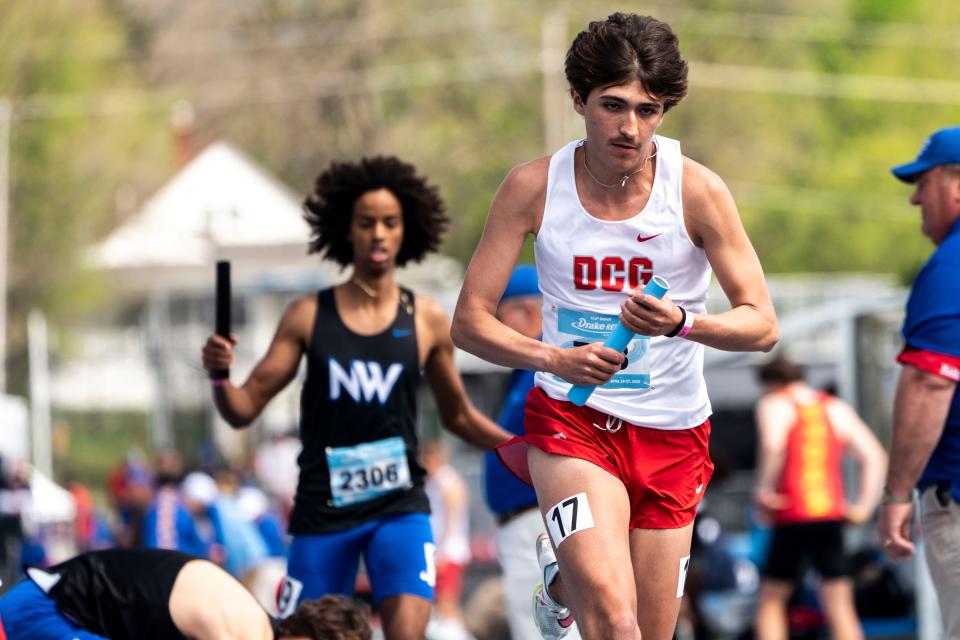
[794, 547]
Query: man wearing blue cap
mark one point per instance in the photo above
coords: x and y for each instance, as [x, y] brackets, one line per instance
[925, 446]
[514, 503]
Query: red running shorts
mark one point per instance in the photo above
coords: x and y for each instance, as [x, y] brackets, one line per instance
[665, 471]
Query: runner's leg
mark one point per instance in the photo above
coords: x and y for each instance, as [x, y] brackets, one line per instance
[660, 559]
[836, 598]
[772, 610]
[399, 558]
[325, 564]
[597, 578]
[404, 617]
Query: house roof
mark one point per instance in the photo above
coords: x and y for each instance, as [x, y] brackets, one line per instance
[221, 202]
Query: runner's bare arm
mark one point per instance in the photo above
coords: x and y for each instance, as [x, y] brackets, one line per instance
[774, 417]
[457, 413]
[240, 405]
[713, 223]
[516, 212]
[868, 451]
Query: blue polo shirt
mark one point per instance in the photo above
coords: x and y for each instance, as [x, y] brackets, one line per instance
[503, 491]
[931, 331]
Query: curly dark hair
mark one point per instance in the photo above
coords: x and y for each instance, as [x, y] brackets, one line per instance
[329, 208]
[328, 618]
[626, 46]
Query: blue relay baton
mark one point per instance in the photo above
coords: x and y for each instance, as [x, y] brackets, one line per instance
[618, 340]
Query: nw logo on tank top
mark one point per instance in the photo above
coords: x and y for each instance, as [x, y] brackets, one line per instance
[364, 381]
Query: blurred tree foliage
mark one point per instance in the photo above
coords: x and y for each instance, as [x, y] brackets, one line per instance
[458, 88]
[69, 159]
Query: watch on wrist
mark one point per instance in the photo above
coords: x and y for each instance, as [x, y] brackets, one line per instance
[892, 498]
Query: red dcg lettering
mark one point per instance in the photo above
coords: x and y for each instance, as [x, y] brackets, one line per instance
[614, 273]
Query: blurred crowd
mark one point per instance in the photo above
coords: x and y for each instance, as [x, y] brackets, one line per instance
[233, 515]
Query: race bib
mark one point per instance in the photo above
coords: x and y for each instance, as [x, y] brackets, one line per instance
[288, 595]
[568, 517]
[367, 471]
[577, 328]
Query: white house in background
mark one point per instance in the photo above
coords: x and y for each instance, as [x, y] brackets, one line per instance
[220, 206]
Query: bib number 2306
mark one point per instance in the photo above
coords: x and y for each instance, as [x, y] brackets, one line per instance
[367, 471]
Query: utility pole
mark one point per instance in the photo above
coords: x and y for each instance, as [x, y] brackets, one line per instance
[552, 34]
[6, 116]
[40, 436]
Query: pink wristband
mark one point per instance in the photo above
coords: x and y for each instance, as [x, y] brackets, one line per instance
[218, 382]
[687, 325]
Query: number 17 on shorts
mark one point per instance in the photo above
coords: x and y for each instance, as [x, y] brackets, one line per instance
[567, 517]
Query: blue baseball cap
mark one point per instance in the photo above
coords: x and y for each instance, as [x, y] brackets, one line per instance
[523, 282]
[942, 147]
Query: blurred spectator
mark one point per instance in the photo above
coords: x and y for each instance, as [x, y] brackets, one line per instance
[449, 519]
[232, 542]
[91, 528]
[514, 503]
[254, 507]
[168, 523]
[485, 612]
[14, 499]
[803, 434]
[925, 436]
[275, 467]
[130, 490]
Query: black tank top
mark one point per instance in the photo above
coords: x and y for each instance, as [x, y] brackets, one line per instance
[359, 390]
[117, 593]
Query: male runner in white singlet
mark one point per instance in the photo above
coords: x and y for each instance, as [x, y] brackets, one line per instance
[619, 480]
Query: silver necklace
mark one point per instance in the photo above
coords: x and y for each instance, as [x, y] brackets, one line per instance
[627, 176]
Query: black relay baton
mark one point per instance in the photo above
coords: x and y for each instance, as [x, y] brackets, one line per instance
[223, 311]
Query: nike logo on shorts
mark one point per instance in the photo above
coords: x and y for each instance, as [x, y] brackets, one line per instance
[699, 489]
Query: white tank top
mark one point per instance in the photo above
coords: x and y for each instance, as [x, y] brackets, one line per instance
[586, 266]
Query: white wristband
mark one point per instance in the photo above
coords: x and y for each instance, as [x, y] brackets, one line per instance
[687, 325]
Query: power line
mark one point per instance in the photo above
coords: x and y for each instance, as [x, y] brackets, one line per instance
[313, 34]
[266, 90]
[503, 64]
[824, 85]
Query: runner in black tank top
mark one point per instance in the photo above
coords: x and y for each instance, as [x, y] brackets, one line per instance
[358, 389]
[158, 594]
[360, 489]
[115, 592]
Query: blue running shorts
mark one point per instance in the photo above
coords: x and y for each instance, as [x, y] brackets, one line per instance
[398, 553]
[27, 612]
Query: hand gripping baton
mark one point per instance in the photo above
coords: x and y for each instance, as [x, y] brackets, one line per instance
[223, 311]
[618, 340]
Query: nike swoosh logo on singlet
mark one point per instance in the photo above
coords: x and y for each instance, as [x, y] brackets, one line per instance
[401, 333]
[641, 238]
